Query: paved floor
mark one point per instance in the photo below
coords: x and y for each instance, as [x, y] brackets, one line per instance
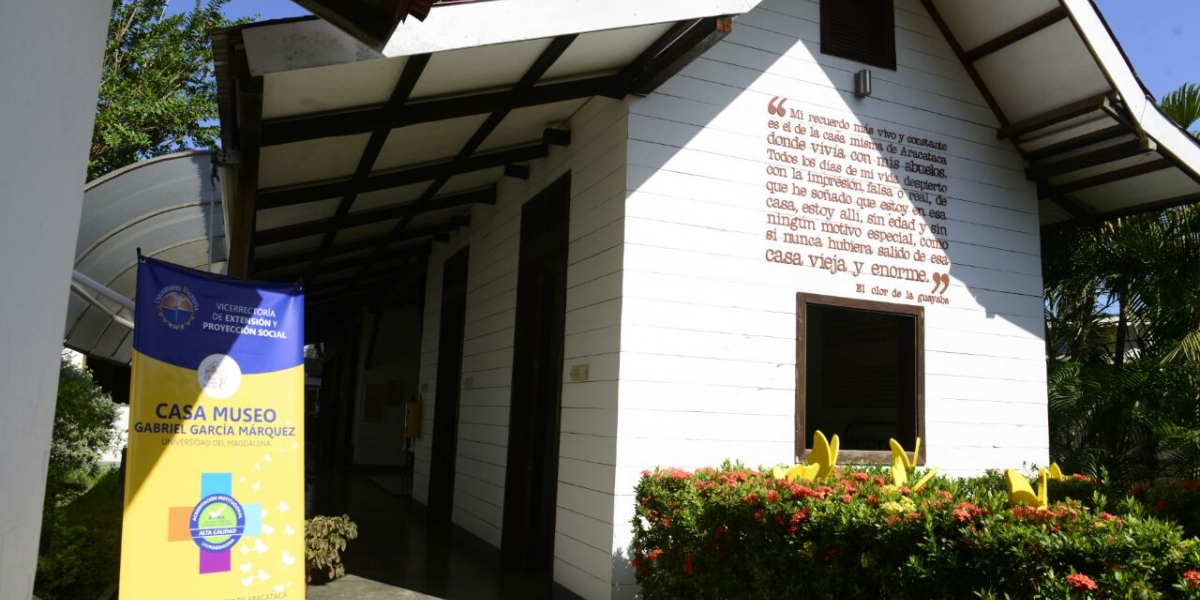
[397, 557]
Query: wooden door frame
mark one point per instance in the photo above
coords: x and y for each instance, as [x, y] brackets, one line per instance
[448, 390]
[544, 238]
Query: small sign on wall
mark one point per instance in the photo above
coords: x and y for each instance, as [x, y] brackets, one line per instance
[373, 407]
[395, 392]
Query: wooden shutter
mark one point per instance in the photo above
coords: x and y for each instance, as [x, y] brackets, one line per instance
[860, 30]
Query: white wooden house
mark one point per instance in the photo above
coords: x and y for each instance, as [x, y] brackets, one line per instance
[672, 232]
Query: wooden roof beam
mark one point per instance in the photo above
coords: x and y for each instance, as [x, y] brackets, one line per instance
[366, 217]
[1094, 158]
[1114, 176]
[298, 129]
[1077, 143]
[1054, 117]
[1017, 34]
[267, 264]
[685, 48]
[288, 196]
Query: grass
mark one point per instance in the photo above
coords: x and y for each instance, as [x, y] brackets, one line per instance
[83, 555]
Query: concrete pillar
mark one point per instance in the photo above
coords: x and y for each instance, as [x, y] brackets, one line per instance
[50, 57]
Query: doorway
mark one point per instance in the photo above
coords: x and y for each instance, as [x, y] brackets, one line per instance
[531, 479]
[446, 397]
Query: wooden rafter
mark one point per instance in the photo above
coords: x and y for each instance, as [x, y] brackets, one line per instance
[1077, 143]
[1053, 117]
[297, 129]
[267, 264]
[288, 196]
[367, 217]
[1107, 154]
[1017, 34]
[703, 34]
[404, 87]
[968, 65]
[1114, 176]
[539, 67]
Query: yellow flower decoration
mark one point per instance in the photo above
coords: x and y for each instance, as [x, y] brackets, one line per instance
[824, 453]
[820, 461]
[902, 466]
[1021, 492]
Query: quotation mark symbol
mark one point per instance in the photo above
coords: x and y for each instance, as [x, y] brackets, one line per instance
[941, 280]
[775, 106]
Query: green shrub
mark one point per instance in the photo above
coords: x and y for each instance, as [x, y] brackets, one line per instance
[84, 419]
[739, 533]
[77, 566]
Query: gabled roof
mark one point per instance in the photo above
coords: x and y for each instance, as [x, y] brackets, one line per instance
[353, 159]
[1068, 98]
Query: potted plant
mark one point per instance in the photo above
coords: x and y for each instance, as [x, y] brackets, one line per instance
[324, 541]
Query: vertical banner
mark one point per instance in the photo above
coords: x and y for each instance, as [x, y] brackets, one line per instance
[214, 492]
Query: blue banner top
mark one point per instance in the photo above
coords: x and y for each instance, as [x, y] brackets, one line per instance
[184, 316]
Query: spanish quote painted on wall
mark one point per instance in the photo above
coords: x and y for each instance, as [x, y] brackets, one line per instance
[865, 203]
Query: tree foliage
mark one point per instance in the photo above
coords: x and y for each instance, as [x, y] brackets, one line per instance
[84, 420]
[157, 91]
[1123, 337]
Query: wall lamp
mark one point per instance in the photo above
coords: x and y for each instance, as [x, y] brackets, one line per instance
[862, 83]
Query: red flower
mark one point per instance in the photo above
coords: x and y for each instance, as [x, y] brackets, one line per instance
[752, 498]
[847, 498]
[1080, 581]
[800, 491]
[945, 494]
[655, 553]
[666, 522]
[759, 514]
[772, 496]
[860, 476]
[1161, 506]
[637, 561]
[720, 530]
[965, 511]
[688, 567]
[831, 554]
[1192, 578]
[1191, 484]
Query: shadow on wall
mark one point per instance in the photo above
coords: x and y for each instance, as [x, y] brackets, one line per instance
[905, 196]
[756, 173]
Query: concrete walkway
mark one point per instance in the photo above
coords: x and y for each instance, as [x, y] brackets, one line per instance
[398, 557]
[353, 586]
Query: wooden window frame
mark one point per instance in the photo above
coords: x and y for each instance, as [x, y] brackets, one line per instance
[803, 300]
[884, 58]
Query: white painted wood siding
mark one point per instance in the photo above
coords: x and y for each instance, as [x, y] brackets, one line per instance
[596, 159]
[708, 330]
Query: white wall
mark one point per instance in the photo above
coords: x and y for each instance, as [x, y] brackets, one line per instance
[396, 358]
[50, 54]
[596, 159]
[708, 329]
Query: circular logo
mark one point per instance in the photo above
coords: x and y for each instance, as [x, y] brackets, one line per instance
[176, 306]
[219, 376]
[217, 523]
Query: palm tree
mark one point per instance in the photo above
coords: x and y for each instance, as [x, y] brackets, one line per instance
[1132, 282]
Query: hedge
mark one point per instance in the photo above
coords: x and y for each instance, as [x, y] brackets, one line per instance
[735, 532]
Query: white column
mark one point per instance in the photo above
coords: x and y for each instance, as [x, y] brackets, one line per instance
[50, 57]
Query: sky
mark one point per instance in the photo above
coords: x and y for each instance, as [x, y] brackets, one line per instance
[1160, 38]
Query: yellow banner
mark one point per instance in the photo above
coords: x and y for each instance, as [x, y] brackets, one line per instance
[214, 497]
